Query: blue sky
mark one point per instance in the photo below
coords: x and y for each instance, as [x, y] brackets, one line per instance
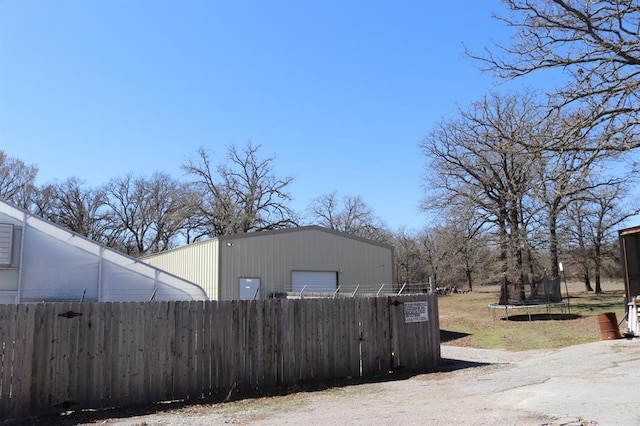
[339, 92]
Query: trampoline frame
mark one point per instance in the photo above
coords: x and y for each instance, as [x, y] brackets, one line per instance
[563, 306]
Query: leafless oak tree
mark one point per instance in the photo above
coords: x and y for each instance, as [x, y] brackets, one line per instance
[602, 211]
[242, 194]
[17, 180]
[453, 253]
[479, 162]
[149, 212]
[468, 247]
[499, 161]
[411, 264]
[563, 176]
[596, 44]
[350, 215]
[77, 207]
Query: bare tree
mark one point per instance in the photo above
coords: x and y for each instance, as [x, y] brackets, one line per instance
[149, 212]
[350, 215]
[411, 264]
[433, 254]
[440, 252]
[596, 44]
[17, 180]
[577, 229]
[453, 254]
[468, 245]
[42, 201]
[76, 207]
[605, 215]
[196, 224]
[241, 194]
[501, 159]
[563, 175]
[478, 161]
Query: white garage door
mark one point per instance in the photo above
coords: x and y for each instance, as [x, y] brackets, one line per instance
[314, 282]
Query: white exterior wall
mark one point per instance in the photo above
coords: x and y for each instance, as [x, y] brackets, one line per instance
[52, 263]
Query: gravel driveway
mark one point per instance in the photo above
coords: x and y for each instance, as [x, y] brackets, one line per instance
[591, 384]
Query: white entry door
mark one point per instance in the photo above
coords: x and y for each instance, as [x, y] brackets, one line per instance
[249, 288]
[314, 281]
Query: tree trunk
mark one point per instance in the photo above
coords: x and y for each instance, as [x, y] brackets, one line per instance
[520, 284]
[504, 244]
[598, 286]
[517, 248]
[532, 272]
[553, 243]
[598, 268]
[587, 282]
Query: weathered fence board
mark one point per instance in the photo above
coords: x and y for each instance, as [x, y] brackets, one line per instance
[7, 334]
[21, 381]
[74, 355]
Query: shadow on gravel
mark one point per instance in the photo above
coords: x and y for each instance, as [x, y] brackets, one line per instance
[105, 415]
[449, 365]
[447, 336]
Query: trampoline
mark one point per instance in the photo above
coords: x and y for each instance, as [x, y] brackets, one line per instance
[545, 296]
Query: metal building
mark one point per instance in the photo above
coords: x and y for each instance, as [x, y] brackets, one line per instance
[41, 261]
[266, 264]
[630, 248]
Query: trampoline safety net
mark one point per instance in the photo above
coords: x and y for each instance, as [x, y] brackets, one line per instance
[545, 291]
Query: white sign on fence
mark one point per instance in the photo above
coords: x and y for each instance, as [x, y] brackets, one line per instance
[416, 312]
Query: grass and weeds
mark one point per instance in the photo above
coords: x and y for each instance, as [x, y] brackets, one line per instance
[465, 319]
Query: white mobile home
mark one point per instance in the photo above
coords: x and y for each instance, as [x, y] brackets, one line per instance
[40, 261]
[263, 264]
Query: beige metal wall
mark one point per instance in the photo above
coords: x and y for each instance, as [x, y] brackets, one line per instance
[196, 262]
[218, 264]
[272, 256]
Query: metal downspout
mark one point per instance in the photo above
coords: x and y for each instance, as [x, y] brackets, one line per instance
[21, 262]
[100, 275]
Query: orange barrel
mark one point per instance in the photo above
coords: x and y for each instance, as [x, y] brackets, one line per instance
[609, 326]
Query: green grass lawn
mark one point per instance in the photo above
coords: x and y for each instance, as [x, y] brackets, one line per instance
[465, 319]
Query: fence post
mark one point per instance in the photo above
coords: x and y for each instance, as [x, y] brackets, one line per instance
[355, 291]
[335, 293]
[401, 289]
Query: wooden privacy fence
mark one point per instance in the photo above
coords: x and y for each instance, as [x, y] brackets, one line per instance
[73, 355]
